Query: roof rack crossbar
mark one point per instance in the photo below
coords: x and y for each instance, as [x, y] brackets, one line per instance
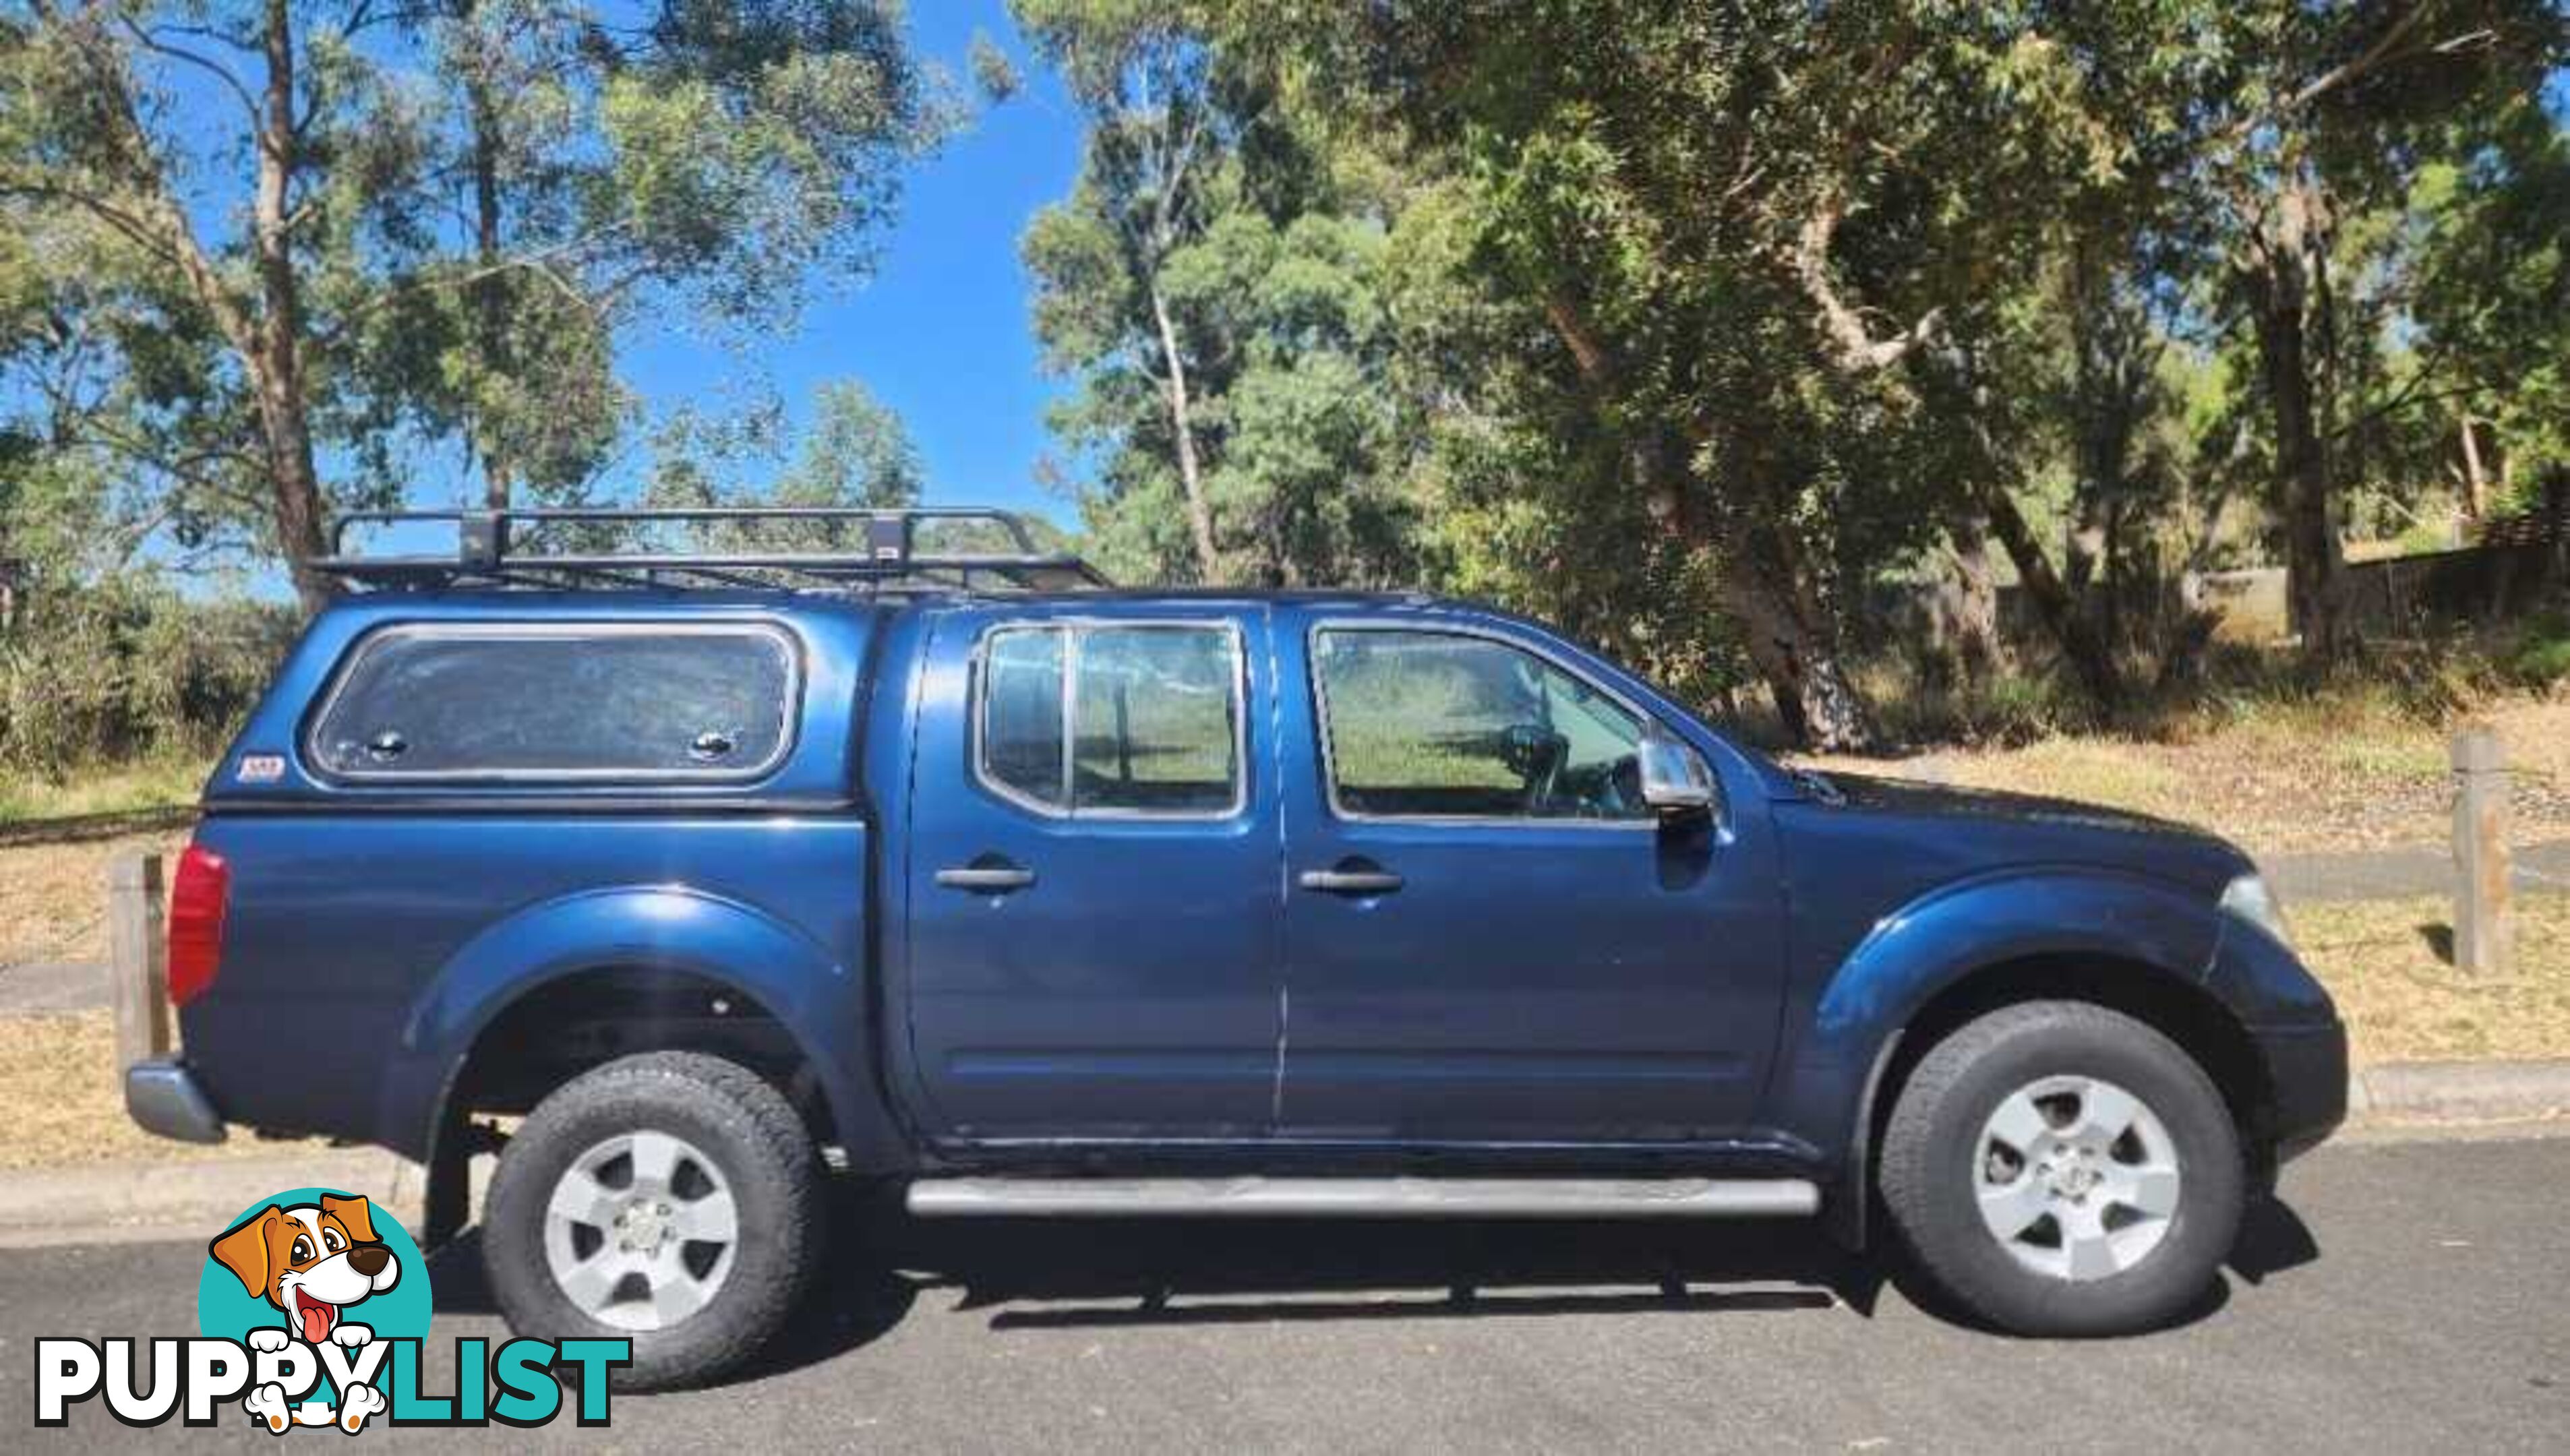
[485, 551]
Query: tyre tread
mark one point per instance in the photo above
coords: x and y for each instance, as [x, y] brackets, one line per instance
[713, 1087]
[1913, 1157]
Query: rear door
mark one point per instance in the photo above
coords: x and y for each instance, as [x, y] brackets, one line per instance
[1092, 876]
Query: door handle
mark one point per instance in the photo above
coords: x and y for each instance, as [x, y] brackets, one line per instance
[1350, 882]
[990, 879]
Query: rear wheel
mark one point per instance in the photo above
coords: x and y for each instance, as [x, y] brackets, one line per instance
[670, 1198]
[2060, 1169]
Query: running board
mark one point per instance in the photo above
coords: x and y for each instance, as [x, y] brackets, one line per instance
[1413, 1198]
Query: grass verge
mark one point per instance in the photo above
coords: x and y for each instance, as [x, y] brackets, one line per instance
[61, 1104]
[53, 897]
[155, 783]
[2386, 962]
[2330, 774]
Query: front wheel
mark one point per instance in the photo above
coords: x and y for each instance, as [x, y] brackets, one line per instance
[2060, 1169]
[671, 1198]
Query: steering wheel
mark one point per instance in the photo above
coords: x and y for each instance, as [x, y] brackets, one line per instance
[1535, 755]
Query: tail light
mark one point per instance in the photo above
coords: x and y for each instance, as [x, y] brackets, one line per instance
[196, 899]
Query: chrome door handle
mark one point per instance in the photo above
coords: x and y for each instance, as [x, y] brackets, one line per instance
[1350, 882]
[993, 880]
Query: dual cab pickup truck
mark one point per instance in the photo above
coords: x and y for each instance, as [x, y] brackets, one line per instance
[710, 875]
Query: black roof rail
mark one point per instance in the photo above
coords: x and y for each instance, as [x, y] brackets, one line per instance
[614, 546]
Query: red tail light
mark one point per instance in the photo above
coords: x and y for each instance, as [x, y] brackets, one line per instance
[196, 899]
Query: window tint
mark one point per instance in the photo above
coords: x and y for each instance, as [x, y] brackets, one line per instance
[1153, 718]
[1022, 713]
[1434, 725]
[537, 702]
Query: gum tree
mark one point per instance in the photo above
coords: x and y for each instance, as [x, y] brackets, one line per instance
[367, 230]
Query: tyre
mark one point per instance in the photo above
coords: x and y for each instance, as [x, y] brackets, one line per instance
[2059, 1168]
[673, 1198]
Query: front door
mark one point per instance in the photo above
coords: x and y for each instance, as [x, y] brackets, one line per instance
[1092, 877]
[1489, 937]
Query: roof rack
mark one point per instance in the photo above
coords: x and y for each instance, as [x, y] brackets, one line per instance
[555, 547]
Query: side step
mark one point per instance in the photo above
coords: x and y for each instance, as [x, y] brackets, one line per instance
[1416, 1197]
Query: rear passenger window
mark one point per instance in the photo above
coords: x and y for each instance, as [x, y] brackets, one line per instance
[1152, 719]
[526, 703]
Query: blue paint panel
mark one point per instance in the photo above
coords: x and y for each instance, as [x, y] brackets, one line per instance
[1594, 997]
[1529, 980]
[362, 953]
[1130, 991]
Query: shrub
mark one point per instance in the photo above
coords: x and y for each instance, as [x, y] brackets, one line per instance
[127, 668]
[2541, 655]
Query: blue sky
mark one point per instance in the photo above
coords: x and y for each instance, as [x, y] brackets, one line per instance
[941, 333]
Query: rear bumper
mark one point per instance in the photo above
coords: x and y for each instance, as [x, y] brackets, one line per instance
[2307, 1075]
[162, 1097]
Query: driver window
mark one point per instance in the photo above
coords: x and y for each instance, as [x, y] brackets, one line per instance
[1443, 726]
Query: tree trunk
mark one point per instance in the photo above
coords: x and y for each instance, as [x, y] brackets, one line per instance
[1182, 426]
[2281, 279]
[2088, 654]
[1977, 600]
[1789, 641]
[276, 362]
[2475, 478]
[1762, 588]
[490, 291]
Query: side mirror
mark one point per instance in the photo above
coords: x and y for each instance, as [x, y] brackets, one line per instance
[1675, 780]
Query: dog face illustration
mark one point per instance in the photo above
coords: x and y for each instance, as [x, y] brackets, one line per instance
[312, 1261]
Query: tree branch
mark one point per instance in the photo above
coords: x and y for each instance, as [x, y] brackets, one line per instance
[208, 64]
[1859, 350]
[2348, 72]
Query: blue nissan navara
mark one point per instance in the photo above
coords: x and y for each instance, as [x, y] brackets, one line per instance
[684, 855]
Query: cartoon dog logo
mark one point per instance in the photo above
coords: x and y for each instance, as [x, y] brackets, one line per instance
[312, 1261]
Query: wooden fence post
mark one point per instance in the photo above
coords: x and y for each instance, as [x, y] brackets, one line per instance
[2482, 923]
[138, 975]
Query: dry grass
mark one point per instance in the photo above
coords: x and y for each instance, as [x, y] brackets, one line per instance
[153, 783]
[53, 897]
[2332, 775]
[2385, 962]
[60, 1102]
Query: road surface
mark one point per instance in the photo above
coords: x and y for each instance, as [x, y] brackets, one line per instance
[2407, 1296]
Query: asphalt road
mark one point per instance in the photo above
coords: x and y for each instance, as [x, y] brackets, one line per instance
[2405, 1296]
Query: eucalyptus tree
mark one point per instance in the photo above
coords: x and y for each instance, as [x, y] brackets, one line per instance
[1213, 284]
[370, 228]
[1733, 239]
[2306, 119]
[1156, 135]
[2493, 304]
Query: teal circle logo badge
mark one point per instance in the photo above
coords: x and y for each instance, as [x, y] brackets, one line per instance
[330, 1271]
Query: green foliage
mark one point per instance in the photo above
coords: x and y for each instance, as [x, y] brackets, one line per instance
[1203, 205]
[2540, 656]
[127, 668]
[473, 200]
[994, 75]
[2494, 287]
[853, 450]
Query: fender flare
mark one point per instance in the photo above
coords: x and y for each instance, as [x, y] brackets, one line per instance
[819, 1001]
[1830, 1080]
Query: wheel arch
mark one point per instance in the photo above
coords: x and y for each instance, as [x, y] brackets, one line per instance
[2127, 943]
[2184, 1011]
[638, 958]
